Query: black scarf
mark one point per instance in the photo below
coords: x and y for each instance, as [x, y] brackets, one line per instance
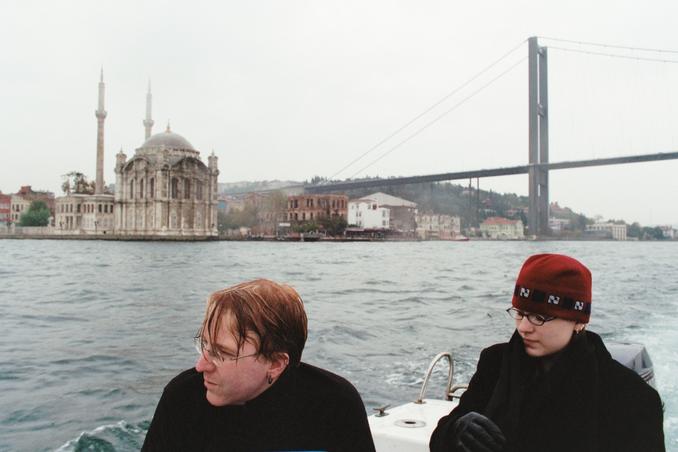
[554, 410]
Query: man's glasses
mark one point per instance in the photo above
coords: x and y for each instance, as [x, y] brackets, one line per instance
[214, 356]
[534, 319]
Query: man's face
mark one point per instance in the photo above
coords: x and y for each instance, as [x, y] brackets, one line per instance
[233, 381]
[546, 339]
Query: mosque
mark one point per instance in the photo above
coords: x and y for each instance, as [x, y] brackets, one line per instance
[163, 191]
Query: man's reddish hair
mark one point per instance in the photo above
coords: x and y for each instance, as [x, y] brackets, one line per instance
[273, 313]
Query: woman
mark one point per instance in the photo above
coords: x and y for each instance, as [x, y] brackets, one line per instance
[554, 385]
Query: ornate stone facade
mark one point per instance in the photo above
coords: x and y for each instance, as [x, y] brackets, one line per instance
[166, 190]
[84, 214]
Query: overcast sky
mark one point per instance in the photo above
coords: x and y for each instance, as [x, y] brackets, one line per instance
[293, 89]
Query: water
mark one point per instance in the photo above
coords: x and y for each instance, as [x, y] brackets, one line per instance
[92, 331]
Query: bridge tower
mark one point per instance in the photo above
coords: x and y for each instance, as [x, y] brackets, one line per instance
[538, 215]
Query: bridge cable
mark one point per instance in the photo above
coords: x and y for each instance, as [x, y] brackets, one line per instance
[612, 55]
[596, 44]
[439, 117]
[427, 110]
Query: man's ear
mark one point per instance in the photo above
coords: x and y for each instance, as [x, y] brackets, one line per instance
[279, 363]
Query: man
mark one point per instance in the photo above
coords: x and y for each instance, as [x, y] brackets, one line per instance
[249, 391]
[554, 386]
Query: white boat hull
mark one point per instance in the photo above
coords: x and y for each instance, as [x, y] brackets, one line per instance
[408, 428]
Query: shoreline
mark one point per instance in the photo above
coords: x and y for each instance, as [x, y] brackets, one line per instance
[140, 238]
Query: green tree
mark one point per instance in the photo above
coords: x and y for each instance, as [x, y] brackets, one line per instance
[650, 233]
[315, 180]
[308, 226]
[276, 203]
[634, 230]
[37, 215]
[334, 225]
[76, 182]
[237, 218]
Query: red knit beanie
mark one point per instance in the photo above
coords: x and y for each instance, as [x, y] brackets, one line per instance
[554, 285]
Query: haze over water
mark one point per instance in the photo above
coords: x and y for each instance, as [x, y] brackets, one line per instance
[92, 331]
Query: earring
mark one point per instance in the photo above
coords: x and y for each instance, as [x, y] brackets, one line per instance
[269, 379]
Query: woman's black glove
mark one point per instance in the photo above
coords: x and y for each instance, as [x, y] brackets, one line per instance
[476, 433]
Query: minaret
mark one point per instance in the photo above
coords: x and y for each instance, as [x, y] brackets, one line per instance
[100, 113]
[148, 122]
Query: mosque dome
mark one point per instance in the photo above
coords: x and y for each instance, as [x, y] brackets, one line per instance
[168, 139]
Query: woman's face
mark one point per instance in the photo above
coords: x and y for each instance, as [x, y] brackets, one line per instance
[549, 338]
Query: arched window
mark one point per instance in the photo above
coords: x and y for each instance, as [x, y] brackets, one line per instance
[151, 188]
[131, 189]
[187, 188]
[175, 188]
[141, 188]
[198, 190]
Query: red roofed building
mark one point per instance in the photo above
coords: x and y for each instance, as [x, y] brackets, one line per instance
[310, 207]
[502, 229]
[5, 203]
[22, 200]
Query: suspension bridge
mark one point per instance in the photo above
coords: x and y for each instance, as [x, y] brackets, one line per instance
[538, 165]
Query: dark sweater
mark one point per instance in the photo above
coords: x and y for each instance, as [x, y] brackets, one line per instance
[587, 402]
[306, 409]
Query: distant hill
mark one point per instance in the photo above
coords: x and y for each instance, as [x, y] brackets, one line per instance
[247, 186]
[471, 205]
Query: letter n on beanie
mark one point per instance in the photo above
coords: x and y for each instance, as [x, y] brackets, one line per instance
[554, 285]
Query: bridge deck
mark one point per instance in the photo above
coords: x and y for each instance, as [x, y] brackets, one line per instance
[506, 171]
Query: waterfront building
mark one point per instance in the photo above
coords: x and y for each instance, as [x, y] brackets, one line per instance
[668, 232]
[432, 226]
[21, 201]
[366, 213]
[230, 203]
[84, 214]
[5, 209]
[268, 209]
[163, 190]
[612, 230]
[88, 213]
[502, 229]
[402, 213]
[302, 208]
[18, 206]
[166, 190]
[558, 225]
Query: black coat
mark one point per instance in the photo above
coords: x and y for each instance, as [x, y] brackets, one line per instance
[306, 409]
[586, 402]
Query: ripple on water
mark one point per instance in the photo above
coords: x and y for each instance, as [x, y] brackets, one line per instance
[86, 345]
[22, 415]
[52, 319]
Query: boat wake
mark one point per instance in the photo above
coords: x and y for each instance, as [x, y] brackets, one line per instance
[121, 436]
